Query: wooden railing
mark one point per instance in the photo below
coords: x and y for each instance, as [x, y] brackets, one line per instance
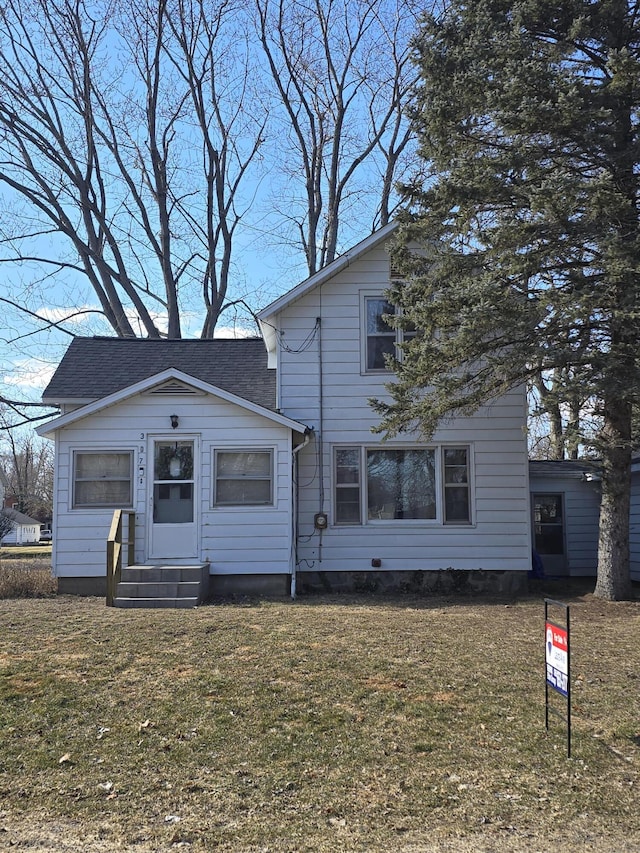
[115, 543]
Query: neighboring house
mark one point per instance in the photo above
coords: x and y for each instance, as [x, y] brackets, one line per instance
[24, 530]
[565, 510]
[257, 456]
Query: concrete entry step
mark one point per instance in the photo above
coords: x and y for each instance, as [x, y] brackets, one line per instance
[163, 574]
[155, 586]
[154, 603]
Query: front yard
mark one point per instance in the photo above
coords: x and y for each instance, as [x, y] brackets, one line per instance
[343, 724]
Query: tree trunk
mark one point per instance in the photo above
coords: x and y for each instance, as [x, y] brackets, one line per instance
[614, 579]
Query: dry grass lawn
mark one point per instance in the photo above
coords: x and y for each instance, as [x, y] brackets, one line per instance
[328, 724]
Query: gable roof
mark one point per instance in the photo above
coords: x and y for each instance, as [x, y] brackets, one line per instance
[93, 368]
[19, 518]
[318, 278]
[48, 429]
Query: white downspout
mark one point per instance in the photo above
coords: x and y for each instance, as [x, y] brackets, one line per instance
[294, 508]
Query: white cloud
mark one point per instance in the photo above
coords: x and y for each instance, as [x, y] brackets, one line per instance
[76, 316]
[234, 332]
[29, 373]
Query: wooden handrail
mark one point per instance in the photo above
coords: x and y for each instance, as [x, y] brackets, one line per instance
[115, 541]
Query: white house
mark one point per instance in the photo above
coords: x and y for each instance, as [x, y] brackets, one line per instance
[256, 457]
[24, 529]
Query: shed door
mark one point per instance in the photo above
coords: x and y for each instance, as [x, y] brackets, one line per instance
[549, 532]
[174, 512]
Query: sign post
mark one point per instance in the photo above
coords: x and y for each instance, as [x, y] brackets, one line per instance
[557, 662]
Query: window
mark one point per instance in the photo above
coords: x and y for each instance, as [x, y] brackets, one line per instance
[381, 339]
[243, 478]
[548, 525]
[102, 479]
[456, 484]
[410, 484]
[401, 484]
[347, 460]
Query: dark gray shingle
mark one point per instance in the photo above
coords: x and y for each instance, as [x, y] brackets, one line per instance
[93, 368]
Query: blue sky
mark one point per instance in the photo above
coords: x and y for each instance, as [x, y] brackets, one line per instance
[29, 352]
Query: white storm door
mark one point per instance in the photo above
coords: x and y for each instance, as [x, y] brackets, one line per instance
[174, 511]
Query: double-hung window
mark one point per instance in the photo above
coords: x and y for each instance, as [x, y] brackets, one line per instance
[102, 479]
[409, 484]
[243, 478]
[455, 468]
[381, 340]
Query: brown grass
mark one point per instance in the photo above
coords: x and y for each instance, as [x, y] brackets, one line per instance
[329, 724]
[26, 578]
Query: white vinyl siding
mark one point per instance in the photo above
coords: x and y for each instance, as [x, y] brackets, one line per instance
[233, 539]
[499, 535]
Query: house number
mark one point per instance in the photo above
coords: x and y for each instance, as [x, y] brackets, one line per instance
[141, 462]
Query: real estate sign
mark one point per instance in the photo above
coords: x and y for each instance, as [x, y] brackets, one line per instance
[557, 657]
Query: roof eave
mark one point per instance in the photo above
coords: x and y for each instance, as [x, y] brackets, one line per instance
[327, 272]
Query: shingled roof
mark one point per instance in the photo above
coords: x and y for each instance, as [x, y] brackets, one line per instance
[93, 368]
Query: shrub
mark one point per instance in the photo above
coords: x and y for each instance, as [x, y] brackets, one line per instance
[26, 579]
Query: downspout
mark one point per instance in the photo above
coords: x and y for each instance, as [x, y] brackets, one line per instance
[321, 418]
[294, 509]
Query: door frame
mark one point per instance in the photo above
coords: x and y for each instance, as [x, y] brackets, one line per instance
[555, 565]
[152, 438]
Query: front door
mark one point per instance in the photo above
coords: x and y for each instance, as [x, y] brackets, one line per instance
[174, 513]
[549, 533]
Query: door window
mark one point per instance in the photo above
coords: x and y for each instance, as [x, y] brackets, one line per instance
[173, 482]
[548, 524]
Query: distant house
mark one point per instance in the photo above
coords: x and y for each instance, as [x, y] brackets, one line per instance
[257, 458]
[24, 530]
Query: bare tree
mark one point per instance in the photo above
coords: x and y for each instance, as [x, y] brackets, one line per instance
[28, 473]
[341, 72]
[124, 143]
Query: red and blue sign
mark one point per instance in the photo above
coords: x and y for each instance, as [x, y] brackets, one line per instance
[557, 657]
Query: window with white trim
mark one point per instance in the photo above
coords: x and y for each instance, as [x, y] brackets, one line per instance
[380, 340]
[243, 478]
[455, 471]
[102, 479]
[408, 484]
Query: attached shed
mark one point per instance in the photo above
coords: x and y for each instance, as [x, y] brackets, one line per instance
[634, 520]
[565, 511]
[24, 530]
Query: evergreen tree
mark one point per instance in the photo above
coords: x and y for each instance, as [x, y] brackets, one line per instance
[527, 113]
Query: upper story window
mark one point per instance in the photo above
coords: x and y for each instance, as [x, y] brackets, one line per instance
[102, 479]
[379, 338]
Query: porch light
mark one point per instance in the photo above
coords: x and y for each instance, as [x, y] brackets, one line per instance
[174, 421]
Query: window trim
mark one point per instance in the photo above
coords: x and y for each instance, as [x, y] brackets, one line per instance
[242, 506]
[440, 519]
[111, 451]
[454, 522]
[365, 296]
